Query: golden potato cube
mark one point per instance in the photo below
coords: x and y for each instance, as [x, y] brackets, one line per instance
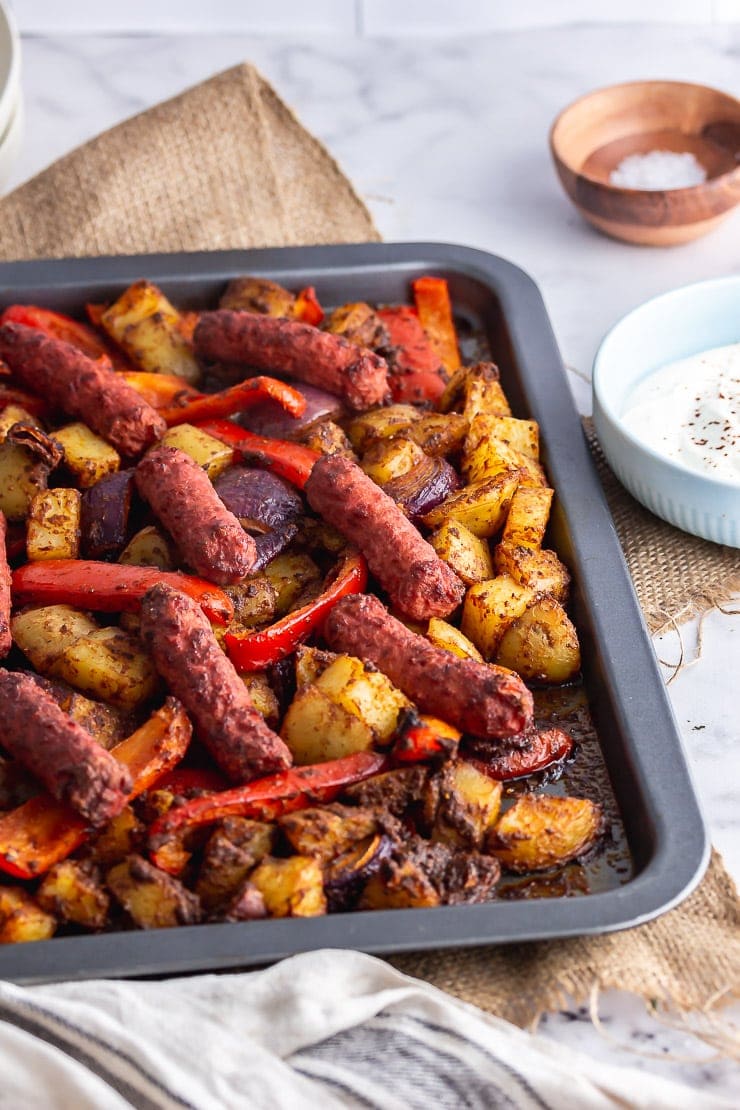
[400, 886]
[540, 570]
[484, 396]
[328, 438]
[256, 599]
[522, 435]
[153, 899]
[310, 662]
[464, 552]
[325, 833]
[366, 694]
[22, 918]
[72, 891]
[111, 665]
[108, 724]
[316, 729]
[484, 456]
[121, 837]
[149, 548]
[147, 326]
[439, 434]
[468, 805]
[44, 634]
[291, 887]
[53, 530]
[378, 424]
[233, 849]
[22, 477]
[529, 512]
[209, 453]
[86, 454]
[290, 575]
[541, 831]
[263, 696]
[481, 507]
[391, 458]
[490, 609]
[446, 636]
[541, 644]
[15, 414]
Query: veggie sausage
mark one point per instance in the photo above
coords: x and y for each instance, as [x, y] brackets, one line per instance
[60, 752]
[407, 567]
[6, 640]
[82, 387]
[481, 700]
[210, 537]
[188, 657]
[355, 374]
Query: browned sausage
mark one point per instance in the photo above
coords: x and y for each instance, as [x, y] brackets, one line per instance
[211, 539]
[407, 567]
[297, 350]
[186, 654]
[60, 752]
[6, 640]
[81, 387]
[481, 700]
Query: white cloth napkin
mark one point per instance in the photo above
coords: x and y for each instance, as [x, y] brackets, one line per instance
[325, 1029]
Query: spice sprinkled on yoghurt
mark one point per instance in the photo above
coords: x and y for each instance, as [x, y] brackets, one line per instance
[689, 411]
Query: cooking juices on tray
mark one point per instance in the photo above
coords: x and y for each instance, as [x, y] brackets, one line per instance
[349, 751]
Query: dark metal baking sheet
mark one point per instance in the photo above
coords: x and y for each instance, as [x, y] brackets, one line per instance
[639, 738]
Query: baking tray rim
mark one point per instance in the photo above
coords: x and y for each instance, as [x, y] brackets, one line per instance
[673, 869]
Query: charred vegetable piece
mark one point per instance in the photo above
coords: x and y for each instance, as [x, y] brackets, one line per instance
[237, 398]
[151, 898]
[111, 588]
[258, 498]
[73, 891]
[105, 512]
[232, 851]
[540, 831]
[327, 832]
[399, 885]
[545, 747]
[423, 487]
[347, 874]
[121, 837]
[358, 323]
[420, 737]
[468, 804]
[291, 887]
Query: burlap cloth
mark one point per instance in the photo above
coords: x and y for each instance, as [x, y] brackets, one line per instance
[227, 164]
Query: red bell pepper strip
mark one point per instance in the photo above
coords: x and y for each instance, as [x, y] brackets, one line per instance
[160, 390]
[250, 392]
[546, 747]
[110, 587]
[57, 326]
[421, 737]
[43, 831]
[254, 651]
[416, 388]
[307, 307]
[184, 779]
[264, 799]
[10, 396]
[415, 371]
[289, 460]
[432, 298]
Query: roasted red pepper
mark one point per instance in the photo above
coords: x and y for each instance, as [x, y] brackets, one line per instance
[420, 737]
[161, 390]
[264, 799]
[254, 651]
[58, 326]
[289, 460]
[432, 298]
[110, 587]
[545, 748]
[307, 307]
[10, 396]
[184, 779]
[43, 831]
[250, 392]
[415, 371]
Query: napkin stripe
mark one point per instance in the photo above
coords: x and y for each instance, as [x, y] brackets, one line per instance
[62, 1034]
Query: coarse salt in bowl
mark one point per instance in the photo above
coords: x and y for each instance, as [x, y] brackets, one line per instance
[674, 326]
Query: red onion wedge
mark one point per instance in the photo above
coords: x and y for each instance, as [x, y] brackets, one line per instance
[269, 419]
[257, 497]
[425, 486]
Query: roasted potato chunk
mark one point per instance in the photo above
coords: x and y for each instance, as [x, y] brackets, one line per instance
[209, 453]
[149, 548]
[399, 886]
[391, 459]
[358, 323]
[528, 515]
[264, 698]
[484, 456]
[468, 805]
[15, 414]
[254, 294]
[290, 574]
[86, 454]
[152, 899]
[464, 552]
[437, 434]
[53, 530]
[111, 665]
[72, 891]
[232, 851]
[541, 644]
[22, 476]
[371, 427]
[121, 837]
[291, 887]
[22, 918]
[536, 569]
[541, 831]
[522, 435]
[257, 599]
[490, 609]
[481, 507]
[316, 729]
[365, 693]
[444, 635]
[149, 329]
[326, 832]
[45, 633]
[328, 438]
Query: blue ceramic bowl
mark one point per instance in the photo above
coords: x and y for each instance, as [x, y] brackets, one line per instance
[670, 327]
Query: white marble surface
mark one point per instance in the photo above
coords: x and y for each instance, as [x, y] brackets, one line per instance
[447, 140]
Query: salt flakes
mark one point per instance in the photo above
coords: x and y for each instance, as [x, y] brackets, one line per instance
[658, 169]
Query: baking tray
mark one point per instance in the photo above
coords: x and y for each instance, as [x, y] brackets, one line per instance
[639, 739]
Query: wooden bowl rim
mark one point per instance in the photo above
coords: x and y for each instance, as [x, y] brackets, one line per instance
[688, 190]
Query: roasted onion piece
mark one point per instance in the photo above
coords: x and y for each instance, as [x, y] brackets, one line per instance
[105, 512]
[345, 876]
[270, 544]
[258, 498]
[269, 419]
[423, 487]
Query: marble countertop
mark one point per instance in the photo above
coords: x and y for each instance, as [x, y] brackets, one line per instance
[446, 139]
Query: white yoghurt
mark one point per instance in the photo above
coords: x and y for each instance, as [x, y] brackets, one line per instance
[689, 411]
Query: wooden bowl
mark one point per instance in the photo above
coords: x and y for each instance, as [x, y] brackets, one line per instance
[591, 137]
